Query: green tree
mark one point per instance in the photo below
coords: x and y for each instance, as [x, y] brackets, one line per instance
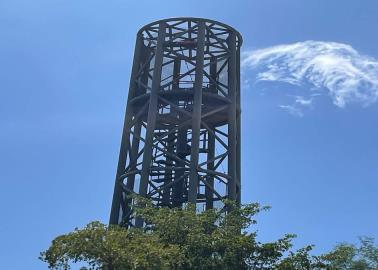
[103, 247]
[179, 239]
[351, 257]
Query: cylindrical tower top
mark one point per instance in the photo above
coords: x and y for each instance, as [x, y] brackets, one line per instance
[179, 22]
[180, 43]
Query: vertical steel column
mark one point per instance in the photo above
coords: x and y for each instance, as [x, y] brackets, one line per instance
[133, 156]
[177, 188]
[210, 166]
[232, 126]
[152, 114]
[125, 141]
[238, 119]
[209, 194]
[196, 115]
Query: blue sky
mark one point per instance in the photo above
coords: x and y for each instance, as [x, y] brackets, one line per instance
[64, 72]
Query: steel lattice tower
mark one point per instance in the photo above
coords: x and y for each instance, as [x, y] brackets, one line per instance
[181, 135]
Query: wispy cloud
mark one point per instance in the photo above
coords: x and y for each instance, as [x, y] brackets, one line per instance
[325, 68]
[292, 109]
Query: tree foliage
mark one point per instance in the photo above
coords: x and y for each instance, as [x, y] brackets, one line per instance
[181, 238]
[351, 257]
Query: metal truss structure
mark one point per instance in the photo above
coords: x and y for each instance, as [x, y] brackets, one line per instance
[181, 135]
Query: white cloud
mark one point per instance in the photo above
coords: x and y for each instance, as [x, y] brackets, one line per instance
[303, 101]
[331, 68]
[292, 109]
